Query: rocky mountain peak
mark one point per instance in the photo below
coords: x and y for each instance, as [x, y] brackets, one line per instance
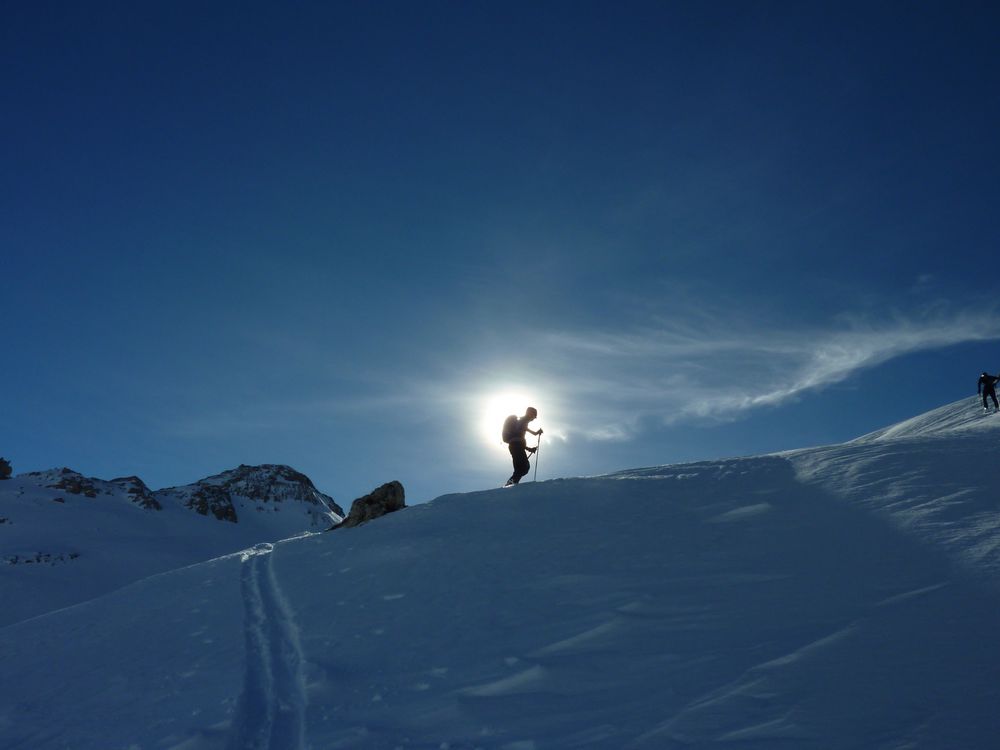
[260, 488]
[268, 483]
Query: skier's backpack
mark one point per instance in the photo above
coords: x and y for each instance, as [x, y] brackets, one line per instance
[510, 428]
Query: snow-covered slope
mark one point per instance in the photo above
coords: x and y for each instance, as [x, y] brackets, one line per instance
[840, 597]
[66, 538]
[931, 477]
[962, 417]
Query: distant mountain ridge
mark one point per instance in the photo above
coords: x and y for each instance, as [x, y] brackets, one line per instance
[66, 537]
[215, 495]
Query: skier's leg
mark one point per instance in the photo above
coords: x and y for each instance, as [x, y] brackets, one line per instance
[521, 465]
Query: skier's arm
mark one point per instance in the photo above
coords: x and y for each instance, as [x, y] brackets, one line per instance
[535, 432]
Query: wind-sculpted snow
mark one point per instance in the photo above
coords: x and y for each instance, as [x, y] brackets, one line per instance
[932, 476]
[961, 417]
[833, 599]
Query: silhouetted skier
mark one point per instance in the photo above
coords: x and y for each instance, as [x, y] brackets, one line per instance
[987, 386]
[513, 434]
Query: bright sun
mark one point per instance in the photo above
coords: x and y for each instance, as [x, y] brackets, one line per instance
[497, 408]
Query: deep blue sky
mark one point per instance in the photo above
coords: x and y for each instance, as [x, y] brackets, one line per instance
[330, 234]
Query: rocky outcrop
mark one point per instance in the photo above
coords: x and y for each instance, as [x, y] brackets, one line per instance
[137, 491]
[72, 482]
[211, 498]
[388, 498]
[40, 558]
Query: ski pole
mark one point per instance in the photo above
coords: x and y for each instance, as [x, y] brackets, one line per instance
[535, 478]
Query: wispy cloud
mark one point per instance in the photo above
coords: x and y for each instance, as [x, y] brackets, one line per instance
[719, 370]
[712, 367]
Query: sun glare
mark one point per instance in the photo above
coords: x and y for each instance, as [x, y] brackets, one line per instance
[497, 408]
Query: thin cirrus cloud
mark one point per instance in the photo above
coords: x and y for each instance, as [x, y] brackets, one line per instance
[715, 373]
[606, 386]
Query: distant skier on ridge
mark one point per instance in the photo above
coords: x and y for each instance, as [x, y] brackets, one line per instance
[514, 428]
[987, 387]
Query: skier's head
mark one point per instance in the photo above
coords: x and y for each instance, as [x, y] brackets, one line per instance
[531, 412]
[984, 372]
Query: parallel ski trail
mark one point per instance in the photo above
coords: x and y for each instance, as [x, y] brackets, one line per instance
[271, 710]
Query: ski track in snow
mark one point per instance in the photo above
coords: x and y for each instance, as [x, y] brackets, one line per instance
[271, 710]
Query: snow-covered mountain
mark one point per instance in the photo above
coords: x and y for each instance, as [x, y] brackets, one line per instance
[66, 538]
[829, 598]
[241, 492]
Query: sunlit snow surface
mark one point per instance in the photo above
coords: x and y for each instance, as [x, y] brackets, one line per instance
[839, 597]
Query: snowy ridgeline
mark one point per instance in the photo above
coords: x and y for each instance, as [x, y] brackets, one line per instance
[840, 597]
[66, 538]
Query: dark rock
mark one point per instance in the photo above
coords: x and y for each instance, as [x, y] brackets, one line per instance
[138, 492]
[386, 499]
[75, 484]
[40, 558]
[210, 498]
